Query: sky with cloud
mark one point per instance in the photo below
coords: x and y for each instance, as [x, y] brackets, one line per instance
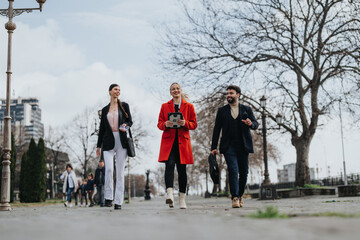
[69, 54]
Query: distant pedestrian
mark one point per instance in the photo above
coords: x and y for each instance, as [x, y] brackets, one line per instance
[77, 192]
[70, 183]
[83, 193]
[100, 182]
[235, 121]
[90, 188]
[175, 146]
[115, 122]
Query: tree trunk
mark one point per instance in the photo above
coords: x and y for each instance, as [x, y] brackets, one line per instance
[215, 189]
[302, 173]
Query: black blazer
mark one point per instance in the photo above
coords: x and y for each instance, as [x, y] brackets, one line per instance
[222, 122]
[106, 138]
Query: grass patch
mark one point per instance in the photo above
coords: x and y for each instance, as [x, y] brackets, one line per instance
[270, 212]
[37, 204]
[312, 186]
[273, 212]
[335, 214]
[222, 194]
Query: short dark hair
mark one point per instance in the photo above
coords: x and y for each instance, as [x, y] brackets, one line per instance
[101, 160]
[234, 87]
[69, 165]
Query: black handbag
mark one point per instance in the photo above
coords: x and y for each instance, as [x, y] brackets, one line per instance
[131, 145]
[214, 169]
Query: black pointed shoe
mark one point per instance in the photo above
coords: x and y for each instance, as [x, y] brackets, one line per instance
[108, 203]
[117, 207]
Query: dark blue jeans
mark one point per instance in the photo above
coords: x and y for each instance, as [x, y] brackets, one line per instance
[68, 195]
[101, 192]
[238, 167]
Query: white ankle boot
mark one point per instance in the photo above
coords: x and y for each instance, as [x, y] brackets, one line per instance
[170, 197]
[182, 201]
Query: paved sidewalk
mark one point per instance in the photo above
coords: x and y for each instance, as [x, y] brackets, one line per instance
[204, 219]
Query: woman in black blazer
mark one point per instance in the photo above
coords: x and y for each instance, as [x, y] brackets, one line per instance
[115, 121]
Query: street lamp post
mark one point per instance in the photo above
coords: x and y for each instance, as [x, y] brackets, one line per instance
[268, 191]
[10, 27]
[263, 118]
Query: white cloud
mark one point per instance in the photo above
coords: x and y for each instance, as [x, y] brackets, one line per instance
[40, 49]
[65, 95]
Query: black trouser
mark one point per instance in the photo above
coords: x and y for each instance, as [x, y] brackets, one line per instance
[174, 158]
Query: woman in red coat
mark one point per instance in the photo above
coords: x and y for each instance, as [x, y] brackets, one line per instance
[175, 146]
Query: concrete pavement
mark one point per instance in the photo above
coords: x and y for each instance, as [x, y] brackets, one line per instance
[204, 219]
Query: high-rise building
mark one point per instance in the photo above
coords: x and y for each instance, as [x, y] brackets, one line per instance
[287, 174]
[25, 119]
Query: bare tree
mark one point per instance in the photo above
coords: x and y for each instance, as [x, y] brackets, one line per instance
[202, 136]
[305, 53]
[256, 160]
[55, 156]
[159, 174]
[79, 140]
[139, 134]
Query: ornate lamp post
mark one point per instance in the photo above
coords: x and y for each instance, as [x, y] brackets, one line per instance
[267, 190]
[10, 26]
[147, 190]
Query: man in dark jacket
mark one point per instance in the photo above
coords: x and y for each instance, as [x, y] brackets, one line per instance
[100, 181]
[235, 120]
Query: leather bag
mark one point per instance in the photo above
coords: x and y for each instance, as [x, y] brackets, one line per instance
[131, 145]
[214, 169]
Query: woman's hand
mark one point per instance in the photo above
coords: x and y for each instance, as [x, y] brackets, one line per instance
[123, 128]
[181, 122]
[98, 152]
[169, 124]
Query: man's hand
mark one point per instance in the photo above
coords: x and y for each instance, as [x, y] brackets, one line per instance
[247, 122]
[214, 152]
[98, 152]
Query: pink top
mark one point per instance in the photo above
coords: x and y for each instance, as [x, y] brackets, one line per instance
[113, 118]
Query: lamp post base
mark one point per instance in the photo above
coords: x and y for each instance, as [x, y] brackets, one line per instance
[5, 207]
[268, 192]
[147, 194]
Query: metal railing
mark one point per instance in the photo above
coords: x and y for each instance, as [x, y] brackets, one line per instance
[353, 178]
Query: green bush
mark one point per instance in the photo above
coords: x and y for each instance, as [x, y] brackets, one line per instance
[33, 173]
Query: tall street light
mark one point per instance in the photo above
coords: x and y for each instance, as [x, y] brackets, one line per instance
[10, 27]
[267, 190]
[342, 141]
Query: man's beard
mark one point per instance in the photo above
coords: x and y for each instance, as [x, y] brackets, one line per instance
[230, 100]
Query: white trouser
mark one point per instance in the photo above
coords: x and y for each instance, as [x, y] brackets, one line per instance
[121, 154]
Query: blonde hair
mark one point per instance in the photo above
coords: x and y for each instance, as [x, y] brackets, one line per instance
[183, 95]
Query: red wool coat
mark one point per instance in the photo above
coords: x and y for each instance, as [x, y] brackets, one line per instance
[168, 136]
